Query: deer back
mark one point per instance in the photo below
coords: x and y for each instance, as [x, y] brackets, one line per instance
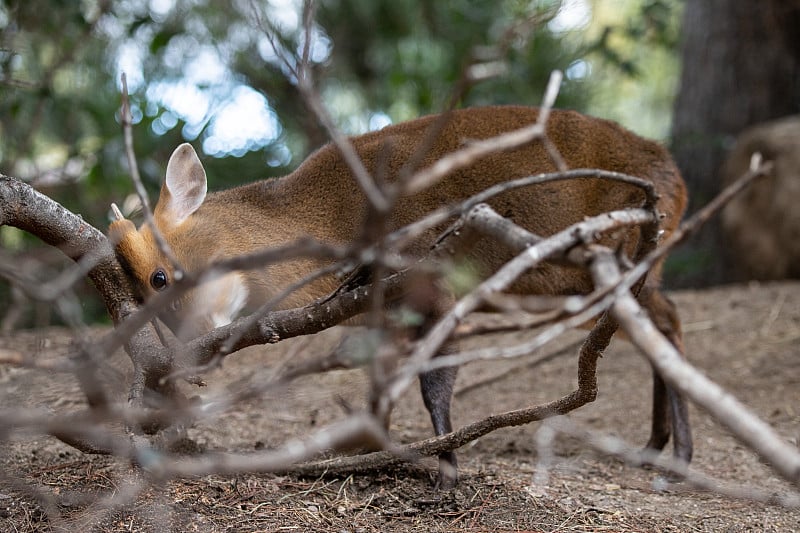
[321, 199]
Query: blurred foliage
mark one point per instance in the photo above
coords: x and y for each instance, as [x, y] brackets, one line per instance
[374, 61]
[635, 47]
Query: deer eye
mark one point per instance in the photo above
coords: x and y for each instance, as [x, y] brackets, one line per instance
[158, 280]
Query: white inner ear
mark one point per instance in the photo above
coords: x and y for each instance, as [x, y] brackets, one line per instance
[186, 183]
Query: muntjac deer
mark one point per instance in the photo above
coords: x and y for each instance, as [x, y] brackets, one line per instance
[321, 199]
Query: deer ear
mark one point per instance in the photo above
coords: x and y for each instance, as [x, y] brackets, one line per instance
[184, 188]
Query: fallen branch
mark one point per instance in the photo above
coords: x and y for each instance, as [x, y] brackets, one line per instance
[355, 431]
[542, 250]
[660, 352]
[747, 427]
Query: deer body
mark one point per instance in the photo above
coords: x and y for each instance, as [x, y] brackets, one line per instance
[321, 199]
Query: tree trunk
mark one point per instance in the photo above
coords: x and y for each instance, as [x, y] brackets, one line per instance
[740, 67]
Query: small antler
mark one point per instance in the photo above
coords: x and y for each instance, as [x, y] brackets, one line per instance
[117, 213]
[755, 161]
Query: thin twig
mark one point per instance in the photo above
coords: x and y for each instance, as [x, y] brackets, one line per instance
[514, 369]
[746, 426]
[305, 85]
[507, 274]
[476, 150]
[127, 130]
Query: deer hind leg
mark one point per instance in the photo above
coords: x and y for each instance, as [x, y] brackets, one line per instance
[670, 412]
[426, 299]
[437, 393]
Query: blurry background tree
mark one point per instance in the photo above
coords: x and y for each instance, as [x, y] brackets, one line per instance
[741, 66]
[203, 71]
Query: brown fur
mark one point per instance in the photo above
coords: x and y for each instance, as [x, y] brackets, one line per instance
[321, 199]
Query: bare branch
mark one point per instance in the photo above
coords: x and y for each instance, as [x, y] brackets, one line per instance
[305, 85]
[475, 150]
[731, 413]
[127, 129]
[23, 207]
[533, 255]
[355, 431]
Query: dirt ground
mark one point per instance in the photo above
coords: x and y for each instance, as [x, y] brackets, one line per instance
[746, 338]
